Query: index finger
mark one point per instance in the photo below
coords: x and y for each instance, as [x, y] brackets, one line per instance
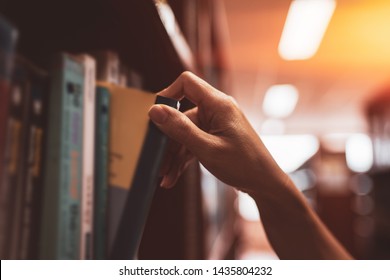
[193, 88]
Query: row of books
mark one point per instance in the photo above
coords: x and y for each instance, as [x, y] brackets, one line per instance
[79, 157]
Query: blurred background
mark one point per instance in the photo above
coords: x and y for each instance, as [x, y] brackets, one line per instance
[312, 78]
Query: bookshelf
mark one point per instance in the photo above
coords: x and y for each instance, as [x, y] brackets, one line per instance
[147, 39]
[204, 25]
[378, 117]
[133, 29]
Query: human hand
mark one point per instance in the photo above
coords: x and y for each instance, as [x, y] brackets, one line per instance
[221, 138]
[216, 133]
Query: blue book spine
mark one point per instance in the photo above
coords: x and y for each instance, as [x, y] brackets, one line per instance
[63, 180]
[101, 172]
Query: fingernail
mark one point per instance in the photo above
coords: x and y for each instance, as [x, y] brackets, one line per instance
[158, 114]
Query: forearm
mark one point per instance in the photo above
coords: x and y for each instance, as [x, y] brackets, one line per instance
[217, 133]
[292, 227]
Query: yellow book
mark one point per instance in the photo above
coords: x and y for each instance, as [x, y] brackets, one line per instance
[136, 148]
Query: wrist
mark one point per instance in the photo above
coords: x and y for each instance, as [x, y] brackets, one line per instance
[274, 186]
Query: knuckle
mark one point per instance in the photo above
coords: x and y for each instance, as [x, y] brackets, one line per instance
[183, 129]
[229, 104]
[187, 76]
[233, 100]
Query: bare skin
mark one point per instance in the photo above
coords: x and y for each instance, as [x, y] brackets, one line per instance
[217, 134]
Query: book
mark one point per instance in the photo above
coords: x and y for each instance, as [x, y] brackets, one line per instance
[108, 66]
[136, 149]
[8, 38]
[101, 172]
[128, 126]
[31, 176]
[134, 79]
[16, 133]
[88, 156]
[129, 78]
[62, 186]
[123, 76]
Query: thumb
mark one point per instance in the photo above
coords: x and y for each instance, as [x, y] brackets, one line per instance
[179, 127]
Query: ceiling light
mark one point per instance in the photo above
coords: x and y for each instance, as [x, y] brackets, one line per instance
[291, 151]
[280, 101]
[359, 153]
[304, 29]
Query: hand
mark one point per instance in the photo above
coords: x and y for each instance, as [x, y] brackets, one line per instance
[221, 138]
[216, 133]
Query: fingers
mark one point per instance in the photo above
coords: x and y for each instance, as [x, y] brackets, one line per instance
[185, 129]
[180, 128]
[192, 114]
[175, 154]
[178, 165]
[190, 86]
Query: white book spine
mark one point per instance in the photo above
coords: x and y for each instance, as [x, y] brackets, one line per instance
[113, 68]
[88, 158]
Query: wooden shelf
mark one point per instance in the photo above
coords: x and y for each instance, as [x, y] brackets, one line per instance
[134, 29]
[148, 42]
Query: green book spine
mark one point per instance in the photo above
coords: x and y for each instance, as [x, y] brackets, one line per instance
[101, 172]
[61, 227]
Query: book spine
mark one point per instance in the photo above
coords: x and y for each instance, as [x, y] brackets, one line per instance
[101, 172]
[123, 74]
[13, 189]
[61, 227]
[139, 198]
[8, 37]
[108, 66]
[33, 168]
[88, 158]
[71, 182]
[49, 228]
[134, 79]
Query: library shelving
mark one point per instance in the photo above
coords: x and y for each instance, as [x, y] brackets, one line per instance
[147, 37]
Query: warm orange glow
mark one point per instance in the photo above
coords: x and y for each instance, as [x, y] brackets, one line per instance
[351, 62]
[358, 35]
[304, 29]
